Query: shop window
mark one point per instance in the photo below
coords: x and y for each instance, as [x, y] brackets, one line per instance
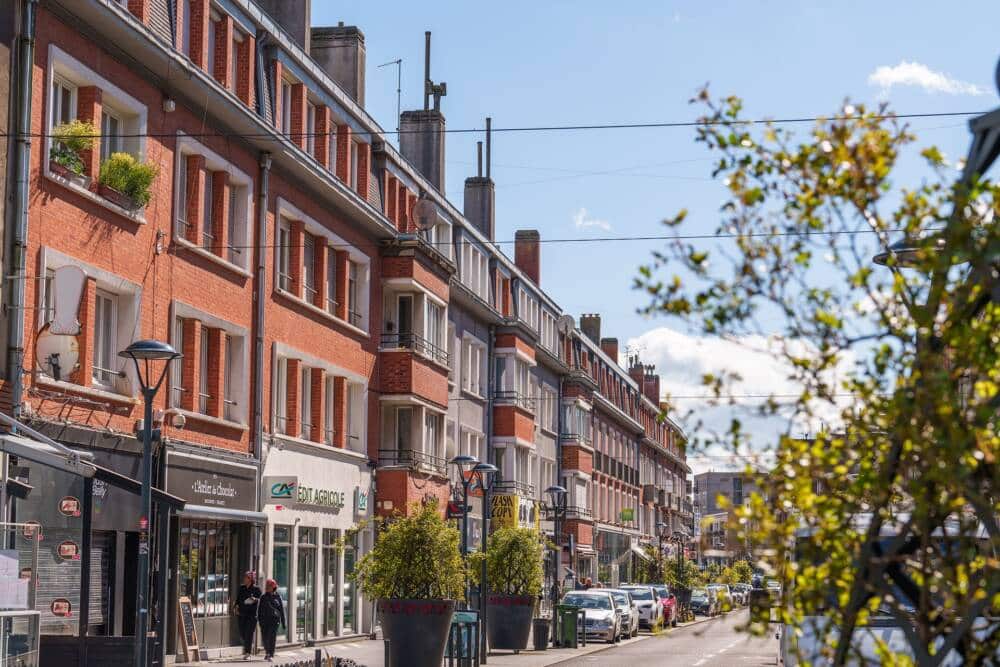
[204, 567]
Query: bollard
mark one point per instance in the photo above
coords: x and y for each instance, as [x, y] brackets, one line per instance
[387, 651]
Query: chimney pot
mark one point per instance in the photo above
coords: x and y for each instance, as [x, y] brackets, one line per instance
[340, 51]
[590, 325]
[294, 16]
[610, 348]
[527, 253]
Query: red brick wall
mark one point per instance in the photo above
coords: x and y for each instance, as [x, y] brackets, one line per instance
[582, 531]
[575, 457]
[404, 488]
[510, 340]
[410, 267]
[513, 422]
[409, 373]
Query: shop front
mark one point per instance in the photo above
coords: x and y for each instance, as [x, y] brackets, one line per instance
[214, 541]
[318, 501]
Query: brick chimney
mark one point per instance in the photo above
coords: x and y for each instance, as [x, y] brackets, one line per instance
[480, 192]
[421, 138]
[340, 51]
[651, 384]
[610, 347]
[294, 16]
[527, 253]
[590, 325]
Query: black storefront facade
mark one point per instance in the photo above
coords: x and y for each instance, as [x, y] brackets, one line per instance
[214, 540]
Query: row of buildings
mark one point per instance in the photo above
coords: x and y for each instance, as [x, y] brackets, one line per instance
[346, 329]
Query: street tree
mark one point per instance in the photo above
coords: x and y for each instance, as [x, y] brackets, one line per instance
[889, 506]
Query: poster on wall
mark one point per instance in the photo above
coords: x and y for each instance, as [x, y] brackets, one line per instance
[504, 511]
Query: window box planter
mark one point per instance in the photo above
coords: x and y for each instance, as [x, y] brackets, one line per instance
[70, 175]
[117, 198]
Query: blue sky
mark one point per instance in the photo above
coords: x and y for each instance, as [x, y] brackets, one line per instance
[582, 62]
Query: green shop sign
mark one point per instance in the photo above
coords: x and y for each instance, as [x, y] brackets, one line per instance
[628, 514]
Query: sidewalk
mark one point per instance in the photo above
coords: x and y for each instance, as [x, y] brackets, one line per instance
[371, 653]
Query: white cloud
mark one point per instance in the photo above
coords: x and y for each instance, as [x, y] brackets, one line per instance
[916, 74]
[582, 221]
[682, 359]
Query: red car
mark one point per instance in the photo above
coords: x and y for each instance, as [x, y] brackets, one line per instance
[669, 605]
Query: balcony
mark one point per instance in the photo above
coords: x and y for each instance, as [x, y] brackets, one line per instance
[507, 487]
[511, 397]
[415, 343]
[578, 512]
[413, 460]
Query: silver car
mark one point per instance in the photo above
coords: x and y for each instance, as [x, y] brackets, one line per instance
[602, 618]
[629, 612]
[649, 604]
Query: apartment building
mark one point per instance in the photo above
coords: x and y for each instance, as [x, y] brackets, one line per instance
[346, 330]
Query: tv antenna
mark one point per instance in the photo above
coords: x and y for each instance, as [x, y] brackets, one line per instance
[398, 62]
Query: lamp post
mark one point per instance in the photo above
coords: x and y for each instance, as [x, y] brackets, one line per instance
[147, 351]
[463, 461]
[557, 494]
[487, 475]
[660, 527]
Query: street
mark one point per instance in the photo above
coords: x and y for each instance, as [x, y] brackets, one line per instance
[714, 643]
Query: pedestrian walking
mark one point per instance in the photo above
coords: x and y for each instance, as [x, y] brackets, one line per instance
[271, 614]
[246, 603]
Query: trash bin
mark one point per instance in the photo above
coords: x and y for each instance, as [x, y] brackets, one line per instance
[566, 615]
[540, 633]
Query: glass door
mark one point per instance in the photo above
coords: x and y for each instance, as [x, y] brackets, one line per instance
[305, 590]
[282, 553]
[331, 579]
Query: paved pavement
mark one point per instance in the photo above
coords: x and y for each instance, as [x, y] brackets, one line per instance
[713, 643]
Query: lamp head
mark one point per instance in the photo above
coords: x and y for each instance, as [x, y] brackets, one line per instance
[150, 350]
[556, 493]
[463, 461]
[485, 469]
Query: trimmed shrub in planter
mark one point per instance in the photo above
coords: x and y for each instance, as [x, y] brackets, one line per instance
[514, 571]
[415, 573]
[69, 140]
[127, 182]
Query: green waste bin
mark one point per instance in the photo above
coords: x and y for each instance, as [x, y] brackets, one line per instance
[566, 620]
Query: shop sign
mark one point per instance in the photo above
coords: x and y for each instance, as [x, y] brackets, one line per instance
[69, 506]
[527, 512]
[30, 528]
[68, 550]
[281, 489]
[628, 514]
[503, 511]
[328, 498]
[214, 483]
[286, 489]
[61, 607]
[361, 500]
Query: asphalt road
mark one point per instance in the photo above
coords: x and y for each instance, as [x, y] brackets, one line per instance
[714, 643]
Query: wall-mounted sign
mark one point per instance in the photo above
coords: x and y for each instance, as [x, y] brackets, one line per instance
[628, 514]
[361, 500]
[68, 550]
[61, 607]
[286, 490]
[202, 481]
[327, 498]
[69, 506]
[281, 489]
[503, 511]
[31, 528]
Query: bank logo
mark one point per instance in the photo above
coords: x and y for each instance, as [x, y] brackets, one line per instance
[282, 489]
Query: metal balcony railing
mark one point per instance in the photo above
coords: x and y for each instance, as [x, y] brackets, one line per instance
[578, 511]
[417, 343]
[413, 459]
[509, 486]
[512, 397]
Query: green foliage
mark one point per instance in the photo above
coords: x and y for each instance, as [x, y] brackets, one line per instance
[122, 172]
[513, 562]
[742, 572]
[414, 557]
[69, 140]
[683, 576]
[916, 350]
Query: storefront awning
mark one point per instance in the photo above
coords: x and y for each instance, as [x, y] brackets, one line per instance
[639, 551]
[222, 514]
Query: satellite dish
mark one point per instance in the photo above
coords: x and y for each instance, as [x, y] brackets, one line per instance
[566, 323]
[67, 288]
[57, 355]
[424, 213]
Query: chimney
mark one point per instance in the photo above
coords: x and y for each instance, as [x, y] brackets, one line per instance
[340, 51]
[610, 347]
[590, 325]
[527, 253]
[421, 138]
[480, 192]
[636, 370]
[651, 384]
[294, 16]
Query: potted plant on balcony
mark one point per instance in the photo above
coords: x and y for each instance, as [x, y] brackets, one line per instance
[69, 140]
[126, 182]
[415, 573]
[514, 572]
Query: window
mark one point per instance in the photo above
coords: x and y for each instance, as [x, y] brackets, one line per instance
[63, 102]
[473, 366]
[404, 429]
[203, 395]
[234, 59]
[177, 388]
[309, 267]
[281, 396]
[228, 396]
[500, 373]
[234, 230]
[305, 403]
[213, 29]
[284, 256]
[432, 433]
[331, 281]
[354, 165]
[185, 12]
[105, 339]
[310, 128]
[204, 566]
[207, 237]
[286, 107]
[452, 361]
[353, 314]
[474, 270]
[435, 324]
[328, 430]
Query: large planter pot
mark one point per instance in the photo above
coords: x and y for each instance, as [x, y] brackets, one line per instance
[417, 630]
[508, 621]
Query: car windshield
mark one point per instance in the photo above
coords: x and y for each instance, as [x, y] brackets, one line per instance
[620, 598]
[662, 591]
[641, 593]
[588, 601]
[699, 594]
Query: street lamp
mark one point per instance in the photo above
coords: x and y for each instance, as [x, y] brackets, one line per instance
[660, 527]
[557, 495]
[462, 462]
[147, 351]
[487, 475]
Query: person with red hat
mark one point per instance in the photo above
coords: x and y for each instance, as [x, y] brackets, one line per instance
[246, 611]
[271, 614]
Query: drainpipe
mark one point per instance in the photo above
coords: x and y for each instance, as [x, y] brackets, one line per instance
[19, 216]
[257, 441]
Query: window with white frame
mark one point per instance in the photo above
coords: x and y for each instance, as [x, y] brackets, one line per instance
[328, 412]
[452, 360]
[475, 269]
[207, 229]
[332, 150]
[435, 325]
[284, 256]
[547, 409]
[203, 395]
[353, 294]
[280, 400]
[433, 436]
[331, 281]
[310, 128]
[230, 405]
[111, 133]
[528, 309]
[305, 403]
[286, 106]
[550, 338]
[473, 366]
[105, 352]
[309, 267]
[63, 101]
[353, 167]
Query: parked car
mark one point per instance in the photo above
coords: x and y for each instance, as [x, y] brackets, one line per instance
[704, 602]
[648, 602]
[669, 601]
[741, 594]
[629, 612]
[602, 617]
[723, 594]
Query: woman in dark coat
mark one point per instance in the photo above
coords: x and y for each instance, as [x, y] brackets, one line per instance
[271, 614]
[246, 611]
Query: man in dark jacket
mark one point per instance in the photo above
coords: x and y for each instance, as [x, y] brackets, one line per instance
[246, 611]
[271, 614]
